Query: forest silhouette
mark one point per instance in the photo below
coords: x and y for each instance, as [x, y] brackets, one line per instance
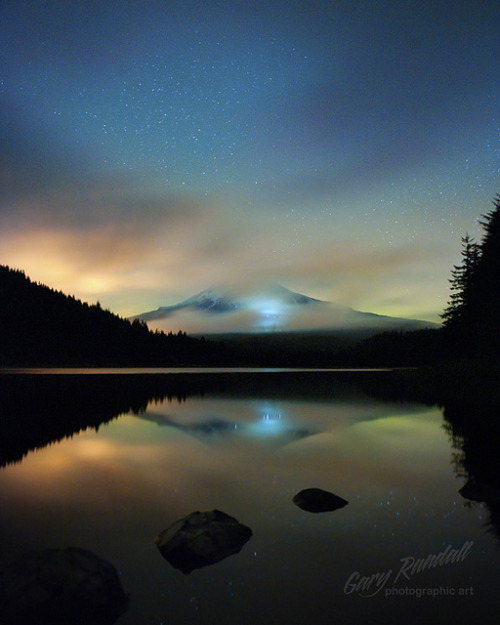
[43, 327]
[457, 365]
[37, 410]
[471, 328]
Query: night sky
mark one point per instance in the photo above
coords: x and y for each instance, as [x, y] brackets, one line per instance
[152, 149]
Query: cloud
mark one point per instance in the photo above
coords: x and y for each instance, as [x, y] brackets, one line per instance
[136, 252]
[99, 241]
[104, 241]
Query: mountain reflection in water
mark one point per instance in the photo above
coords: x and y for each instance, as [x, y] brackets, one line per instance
[103, 462]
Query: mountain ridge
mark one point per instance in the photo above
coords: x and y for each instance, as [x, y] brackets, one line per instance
[217, 310]
[221, 300]
[68, 332]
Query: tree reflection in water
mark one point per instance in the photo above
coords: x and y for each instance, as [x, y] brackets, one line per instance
[200, 459]
[474, 431]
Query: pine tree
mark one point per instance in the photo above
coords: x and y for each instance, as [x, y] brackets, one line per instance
[462, 283]
[487, 285]
[472, 318]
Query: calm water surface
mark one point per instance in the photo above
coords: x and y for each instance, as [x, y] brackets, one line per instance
[246, 446]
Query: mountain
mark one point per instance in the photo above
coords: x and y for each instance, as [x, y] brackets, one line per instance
[221, 301]
[43, 327]
[274, 308]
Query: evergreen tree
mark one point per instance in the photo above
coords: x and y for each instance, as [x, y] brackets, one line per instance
[462, 285]
[487, 285]
[43, 327]
[472, 319]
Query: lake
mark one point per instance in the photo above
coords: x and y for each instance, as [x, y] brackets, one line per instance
[106, 461]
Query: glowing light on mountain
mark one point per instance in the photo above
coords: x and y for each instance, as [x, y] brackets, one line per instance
[271, 312]
[272, 309]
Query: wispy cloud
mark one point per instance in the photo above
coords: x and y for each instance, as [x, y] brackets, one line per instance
[106, 244]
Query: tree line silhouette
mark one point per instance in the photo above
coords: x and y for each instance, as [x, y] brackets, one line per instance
[37, 410]
[43, 327]
[471, 319]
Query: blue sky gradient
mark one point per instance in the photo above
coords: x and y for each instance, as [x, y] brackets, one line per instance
[149, 150]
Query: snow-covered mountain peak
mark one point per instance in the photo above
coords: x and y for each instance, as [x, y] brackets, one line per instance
[260, 309]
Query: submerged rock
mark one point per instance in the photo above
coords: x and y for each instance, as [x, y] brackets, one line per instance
[201, 539]
[318, 500]
[61, 586]
[477, 491]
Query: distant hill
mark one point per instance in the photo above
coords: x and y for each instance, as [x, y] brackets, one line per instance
[43, 327]
[271, 309]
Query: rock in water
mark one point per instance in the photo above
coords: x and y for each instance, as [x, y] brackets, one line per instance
[202, 538]
[477, 491]
[61, 586]
[318, 500]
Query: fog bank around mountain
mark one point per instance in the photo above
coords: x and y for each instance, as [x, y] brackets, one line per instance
[271, 308]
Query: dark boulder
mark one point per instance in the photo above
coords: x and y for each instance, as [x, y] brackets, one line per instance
[318, 500]
[477, 491]
[201, 539]
[61, 586]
